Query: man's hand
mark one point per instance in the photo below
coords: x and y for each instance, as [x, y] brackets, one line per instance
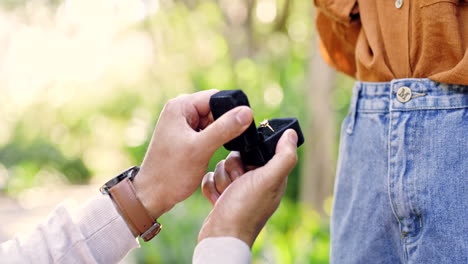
[243, 203]
[185, 138]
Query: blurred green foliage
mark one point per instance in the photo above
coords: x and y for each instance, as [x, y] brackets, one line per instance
[92, 109]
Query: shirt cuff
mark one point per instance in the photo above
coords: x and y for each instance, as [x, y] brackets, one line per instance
[226, 250]
[106, 233]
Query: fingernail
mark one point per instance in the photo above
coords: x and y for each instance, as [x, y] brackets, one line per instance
[292, 137]
[243, 117]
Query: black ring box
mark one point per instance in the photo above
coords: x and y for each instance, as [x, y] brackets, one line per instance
[256, 145]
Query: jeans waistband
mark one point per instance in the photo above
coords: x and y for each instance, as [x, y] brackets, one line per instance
[420, 94]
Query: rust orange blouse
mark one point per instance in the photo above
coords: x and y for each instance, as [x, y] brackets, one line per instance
[381, 40]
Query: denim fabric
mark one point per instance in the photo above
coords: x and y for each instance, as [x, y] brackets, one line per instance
[401, 188]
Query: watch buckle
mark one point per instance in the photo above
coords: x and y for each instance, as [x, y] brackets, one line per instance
[151, 232]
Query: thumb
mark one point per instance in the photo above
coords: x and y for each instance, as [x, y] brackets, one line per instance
[226, 128]
[285, 159]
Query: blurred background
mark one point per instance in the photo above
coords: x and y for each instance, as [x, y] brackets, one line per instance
[82, 83]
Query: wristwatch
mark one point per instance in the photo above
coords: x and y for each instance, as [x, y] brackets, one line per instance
[122, 192]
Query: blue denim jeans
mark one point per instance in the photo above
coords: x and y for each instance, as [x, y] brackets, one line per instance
[401, 192]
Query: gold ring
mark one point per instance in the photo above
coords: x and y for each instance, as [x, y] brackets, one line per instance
[265, 123]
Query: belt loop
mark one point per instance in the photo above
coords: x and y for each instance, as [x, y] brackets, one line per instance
[353, 108]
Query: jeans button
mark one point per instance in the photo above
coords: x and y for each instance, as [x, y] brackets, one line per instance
[398, 3]
[404, 94]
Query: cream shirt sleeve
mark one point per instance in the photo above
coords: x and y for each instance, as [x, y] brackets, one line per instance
[96, 234]
[226, 250]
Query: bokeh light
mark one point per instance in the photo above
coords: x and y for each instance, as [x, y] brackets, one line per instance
[266, 11]
[273, 95]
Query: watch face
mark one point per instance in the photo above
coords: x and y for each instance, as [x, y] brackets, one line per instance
[129, 173]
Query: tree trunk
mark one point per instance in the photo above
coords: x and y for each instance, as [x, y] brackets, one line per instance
[319, 165]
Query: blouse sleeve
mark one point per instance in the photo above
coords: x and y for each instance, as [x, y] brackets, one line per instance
[338, 25]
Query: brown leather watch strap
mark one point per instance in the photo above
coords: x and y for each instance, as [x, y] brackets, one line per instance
[124, 195]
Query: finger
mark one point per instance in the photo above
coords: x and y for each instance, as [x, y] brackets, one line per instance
[196, 108]
[206, 121]
[209, 189]
[278, 168]
[234, 166]
[221, 177]
[225, 128]
[201, 101]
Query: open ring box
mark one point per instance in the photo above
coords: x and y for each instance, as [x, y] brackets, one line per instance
[256, 145]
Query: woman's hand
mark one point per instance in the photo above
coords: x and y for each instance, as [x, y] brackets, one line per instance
[243, 203]
[185, 138]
